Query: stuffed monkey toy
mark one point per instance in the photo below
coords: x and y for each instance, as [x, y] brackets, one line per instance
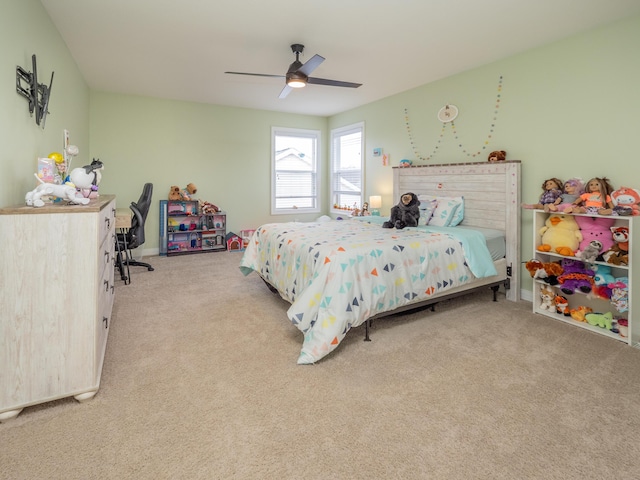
[405, 213]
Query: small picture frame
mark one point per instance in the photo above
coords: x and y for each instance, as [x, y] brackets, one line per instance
[377, 152]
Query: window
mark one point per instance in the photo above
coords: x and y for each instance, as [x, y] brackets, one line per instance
[295, 182]
[347, 145]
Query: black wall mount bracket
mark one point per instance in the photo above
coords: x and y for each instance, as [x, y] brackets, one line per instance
[37, 94]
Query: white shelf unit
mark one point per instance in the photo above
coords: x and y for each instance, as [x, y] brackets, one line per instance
[601, 305]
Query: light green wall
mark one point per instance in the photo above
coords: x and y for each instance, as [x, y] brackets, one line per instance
[25, 29]
[224, 151]
[569, 108]
[566, 109]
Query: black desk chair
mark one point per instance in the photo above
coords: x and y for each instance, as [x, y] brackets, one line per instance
[134, 236]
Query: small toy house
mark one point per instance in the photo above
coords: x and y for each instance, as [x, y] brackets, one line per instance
[234, 242]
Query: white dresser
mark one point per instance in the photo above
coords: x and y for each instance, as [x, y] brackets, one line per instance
[56, 297]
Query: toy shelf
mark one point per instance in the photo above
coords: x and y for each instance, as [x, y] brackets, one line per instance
[630, 333]
[185, 230]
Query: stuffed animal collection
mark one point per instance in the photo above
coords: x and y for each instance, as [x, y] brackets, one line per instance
[591, 245]
[572, 276]
[405, 214]
[177, 194]
[187, 194]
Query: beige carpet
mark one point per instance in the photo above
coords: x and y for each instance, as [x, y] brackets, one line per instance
[201, 382]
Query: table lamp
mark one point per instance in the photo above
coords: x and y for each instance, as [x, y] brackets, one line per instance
[375, 203]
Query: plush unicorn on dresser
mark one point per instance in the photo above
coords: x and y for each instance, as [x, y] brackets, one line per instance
[67, 192]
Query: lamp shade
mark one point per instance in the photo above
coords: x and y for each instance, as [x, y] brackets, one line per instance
[375, 201]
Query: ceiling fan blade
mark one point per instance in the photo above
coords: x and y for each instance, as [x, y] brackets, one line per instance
[332, 83]
[285, 91]
[313, 63]
[256, 74]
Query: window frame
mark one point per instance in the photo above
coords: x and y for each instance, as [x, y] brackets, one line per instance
[302, 133]
[335, 134]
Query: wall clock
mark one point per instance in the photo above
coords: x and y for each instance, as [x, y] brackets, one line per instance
[448, 113]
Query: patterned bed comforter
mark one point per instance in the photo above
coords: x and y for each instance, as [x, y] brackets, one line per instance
[337, 274]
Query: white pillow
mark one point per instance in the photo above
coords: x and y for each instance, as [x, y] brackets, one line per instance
[449, 212]
[458, 214]
[427, 207]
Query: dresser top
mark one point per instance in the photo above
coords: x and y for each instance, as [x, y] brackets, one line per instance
[95, 205]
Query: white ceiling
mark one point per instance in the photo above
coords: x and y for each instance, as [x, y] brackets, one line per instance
[180, 49]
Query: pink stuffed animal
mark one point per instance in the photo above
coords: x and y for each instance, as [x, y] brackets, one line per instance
[595, 228]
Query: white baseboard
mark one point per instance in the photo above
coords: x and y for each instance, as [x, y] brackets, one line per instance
[526, 295]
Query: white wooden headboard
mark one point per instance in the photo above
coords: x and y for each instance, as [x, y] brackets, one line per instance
[491, 194]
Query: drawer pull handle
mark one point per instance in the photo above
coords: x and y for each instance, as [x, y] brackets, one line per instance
[106, 285]
[105, 320]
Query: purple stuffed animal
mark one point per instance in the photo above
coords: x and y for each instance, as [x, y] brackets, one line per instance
[575, 277]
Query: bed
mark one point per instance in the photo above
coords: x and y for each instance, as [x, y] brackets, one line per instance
[338, 275]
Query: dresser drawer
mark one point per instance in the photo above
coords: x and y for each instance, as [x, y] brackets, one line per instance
[106, 221]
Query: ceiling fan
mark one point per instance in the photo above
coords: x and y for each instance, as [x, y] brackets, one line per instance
[298, 74]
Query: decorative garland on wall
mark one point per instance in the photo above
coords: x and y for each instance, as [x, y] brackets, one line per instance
[454, 131]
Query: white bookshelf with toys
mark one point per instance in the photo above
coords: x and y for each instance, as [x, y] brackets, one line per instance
[581, 270]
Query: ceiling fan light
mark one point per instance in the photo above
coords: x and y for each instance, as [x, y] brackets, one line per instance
[296, 80]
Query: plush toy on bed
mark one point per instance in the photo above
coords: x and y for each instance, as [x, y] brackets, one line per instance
[405, 214]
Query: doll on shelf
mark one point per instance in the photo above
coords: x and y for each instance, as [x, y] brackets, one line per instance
[573, 188]
[595, 199]
[551, 191]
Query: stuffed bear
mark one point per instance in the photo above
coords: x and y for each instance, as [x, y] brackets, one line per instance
[174, 193]
[405, 214]
[189, 192]
[497, 156]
